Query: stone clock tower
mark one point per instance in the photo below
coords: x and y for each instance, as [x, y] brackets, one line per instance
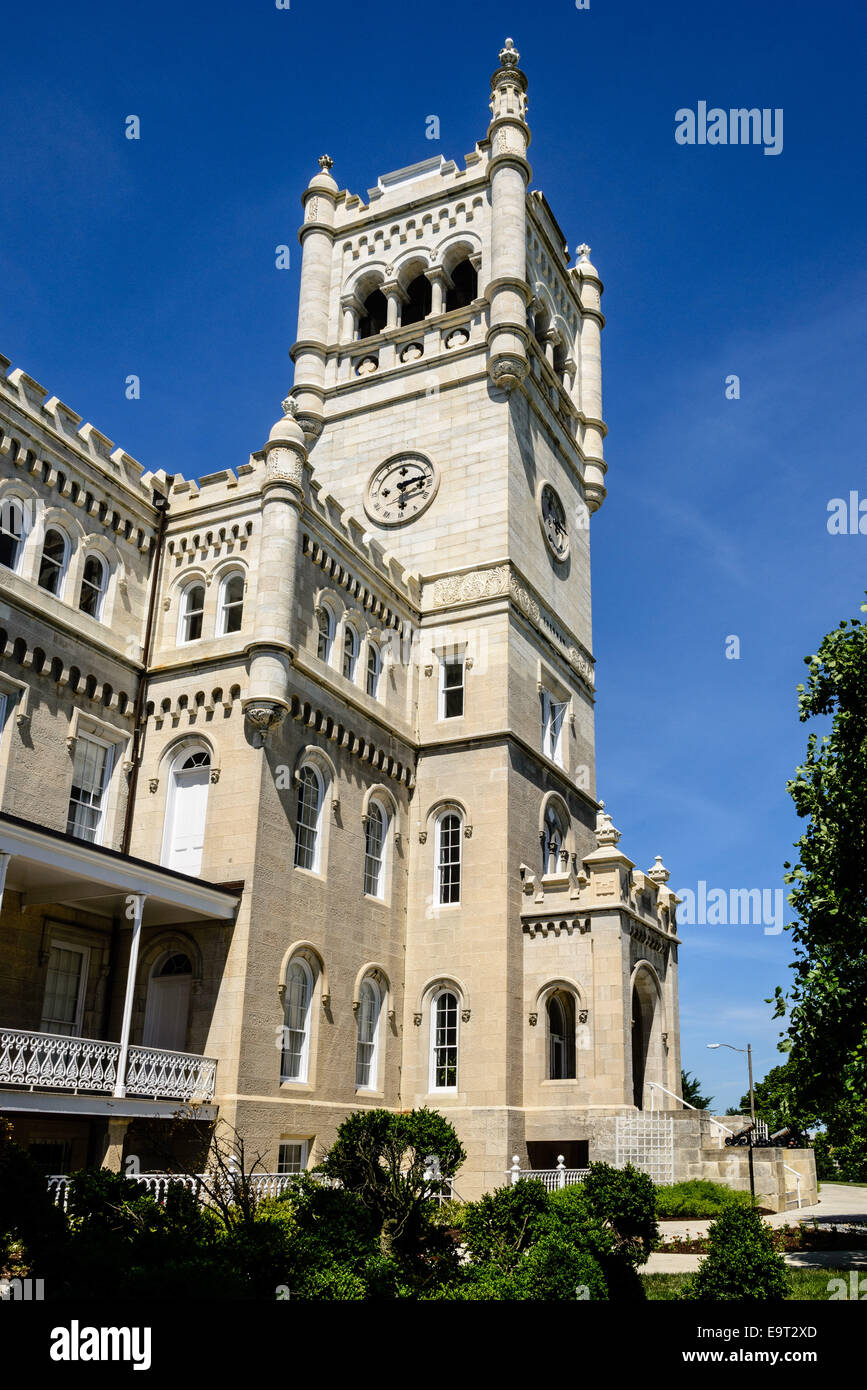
[448, 384]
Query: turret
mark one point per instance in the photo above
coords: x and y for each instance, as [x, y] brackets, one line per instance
[507, 289]
[272, 649]
[592, 322]
[316, 237]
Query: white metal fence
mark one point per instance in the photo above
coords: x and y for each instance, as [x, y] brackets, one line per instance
[552, 1179]
[54, 1061]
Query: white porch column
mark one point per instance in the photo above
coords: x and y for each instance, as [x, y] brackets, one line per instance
[4, 865]
[134, 909]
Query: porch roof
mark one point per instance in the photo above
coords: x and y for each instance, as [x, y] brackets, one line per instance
[51, 868]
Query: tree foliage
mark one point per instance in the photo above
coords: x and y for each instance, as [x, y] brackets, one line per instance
[826, 1033]
[690, 1089]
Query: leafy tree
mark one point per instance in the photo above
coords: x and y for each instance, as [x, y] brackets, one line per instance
[690, 1088]
[741, 1263]
[826, 1034]
[775, 1102]
[383, 1158]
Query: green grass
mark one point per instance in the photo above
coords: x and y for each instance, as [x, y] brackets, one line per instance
[808, 1285]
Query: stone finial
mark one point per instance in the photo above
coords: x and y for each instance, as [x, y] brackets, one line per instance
[509, 55]
[659, 873]
[606, 832]
[290, 406]
[583, 251]
[326, 163]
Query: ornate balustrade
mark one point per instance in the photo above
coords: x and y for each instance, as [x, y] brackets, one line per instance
[552, 1179]
[55, 1062]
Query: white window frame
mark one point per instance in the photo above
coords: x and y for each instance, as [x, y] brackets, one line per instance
[103, 588]
[372, 1083]
[438, 832]
[551, 814]
[303, 1146]
[184, 615]
[304, 1059]
[432, 1078]
[447, 659]
[379, 896]
[326, 610]
[553, 739]
[372, 651]
[63, 944]
[350, 630]
[319, 827]
[6, 503]
[87, 736]
[224, 606]
[63, 568]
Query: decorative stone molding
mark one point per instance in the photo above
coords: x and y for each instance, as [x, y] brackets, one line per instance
[367, 365]
[215, 775]
[465, 1015]
[468, 832]
[311, 425]
[422, 837]
[284, 465]
[582, 1015]
[534, 1018]
[264, 716]
[153, 785]
[412, 352]
[416, 1018]
[508, 371]
[457, 338]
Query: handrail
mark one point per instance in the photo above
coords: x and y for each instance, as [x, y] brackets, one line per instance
[797, 1180]
[655, 1086]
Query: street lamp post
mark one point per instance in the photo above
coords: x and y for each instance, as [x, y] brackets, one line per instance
[749, 1054]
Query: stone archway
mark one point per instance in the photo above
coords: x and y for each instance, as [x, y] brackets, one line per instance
[644, 1003]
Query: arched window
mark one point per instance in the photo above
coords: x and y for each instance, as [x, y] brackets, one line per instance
[296, 1022]
[375, 831]
[308, 831]
[367, 1046]
[325, 637]
[465, 286]
[12, 532]
[52, 563]
[350, 651]
[374, 667]
[561, 1036]
[374, 315]
[231, 606]
[168, 1003]
[554, 839]
[94, 582]
[418, 303]
[192, 613]
[448, 858]
[444, 1041]
[187, 810]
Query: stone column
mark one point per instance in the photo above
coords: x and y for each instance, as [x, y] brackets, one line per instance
[317, 237]
[135, 908]
[272, 650]
[395, 297]
[112, 1158]
[439, 283]
[509, 174]
[590, 379]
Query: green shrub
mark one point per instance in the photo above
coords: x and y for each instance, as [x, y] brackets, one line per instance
[32, 1229]
[624, 1200]
[697, 1198]
[741, 1264]
[502, 1224]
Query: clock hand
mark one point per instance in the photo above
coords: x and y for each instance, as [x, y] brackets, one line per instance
[410, 482]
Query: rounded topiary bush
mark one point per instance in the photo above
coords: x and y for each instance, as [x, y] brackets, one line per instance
[741, 1264]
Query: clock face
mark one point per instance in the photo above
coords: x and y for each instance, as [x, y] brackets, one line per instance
[400, 489]
[553, 517]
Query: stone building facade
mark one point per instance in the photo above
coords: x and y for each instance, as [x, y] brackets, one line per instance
[297, 778]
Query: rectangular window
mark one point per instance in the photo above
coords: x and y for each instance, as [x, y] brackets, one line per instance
[451, 687]
[65, 984]
[292, 1156]
[553, 719]
[90, 773]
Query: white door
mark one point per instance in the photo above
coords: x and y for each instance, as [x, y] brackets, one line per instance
[187, 814]
[166, 1012]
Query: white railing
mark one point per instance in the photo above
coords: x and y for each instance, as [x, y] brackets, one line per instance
[157, 1184]
[54, 1061]
[654, 1086]
[790, 1169]
[552, 1179]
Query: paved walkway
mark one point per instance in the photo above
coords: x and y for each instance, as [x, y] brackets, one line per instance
[837, 1206]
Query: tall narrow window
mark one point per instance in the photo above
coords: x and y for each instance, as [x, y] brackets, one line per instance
[186, 811]
[308, 832]
[464, 286]
[561, 1036]
[52, 563]
[374, 666]
[553, 717]
[93, 586]
[325, 635]
[444, 1041]
[11, 532]
[451, 687]
[90, 773]
[192, 613]
[350, 652]
[231, 610]
[368, 1028]
[296, 1023]
[374, 851]
[63, 1004]
[448, 852]
[552, 850]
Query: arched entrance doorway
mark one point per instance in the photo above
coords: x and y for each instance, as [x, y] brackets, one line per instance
[186, 810]
[643, 1011]
[168, 1002]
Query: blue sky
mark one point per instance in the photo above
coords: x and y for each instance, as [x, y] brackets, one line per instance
[156, 257]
